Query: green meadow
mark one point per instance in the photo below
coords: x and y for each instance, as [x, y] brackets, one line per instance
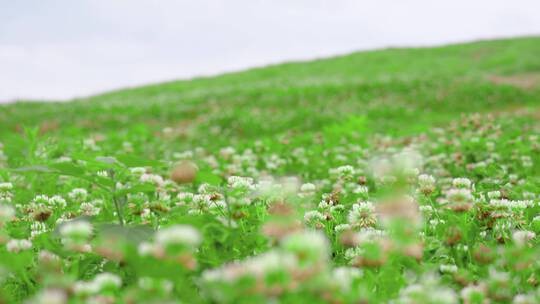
[403, 175]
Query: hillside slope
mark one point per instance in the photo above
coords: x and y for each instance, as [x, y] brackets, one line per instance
[306, 96]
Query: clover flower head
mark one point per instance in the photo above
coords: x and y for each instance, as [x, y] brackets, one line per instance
[462, 182]
[178, 235]
[78, 194]
[18, 245]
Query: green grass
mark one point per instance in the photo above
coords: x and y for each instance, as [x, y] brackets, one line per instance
[385, 122]
[443, 81]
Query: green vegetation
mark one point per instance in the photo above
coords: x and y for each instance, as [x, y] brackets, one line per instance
[404, 175]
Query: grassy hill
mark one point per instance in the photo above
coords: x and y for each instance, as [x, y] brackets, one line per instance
[442, 81]
[405, 175]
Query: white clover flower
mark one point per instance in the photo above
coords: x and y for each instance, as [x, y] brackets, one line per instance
[41, 199]
[205, 188]
[388, 179]
[525, 299]
[78, 194]
[494, 194]
[178, 235]
[462, 182]
[428, 290]
[76, 230]
[57, 201]
[45, 255]
[308, 188]
[352, 253]
[50, 296]
[360, 190]
[408, 161]
[227, 152]
[146, 214]
[227, 222]
[270, 261]
[221, 204]
[521, 237]
[380, 167]
[185, 197]
[4, 187]
[233, 201]
[526, 161]
[151, 284]
[7, 213]
[313, 215]
[137, 171]
[84, 288]
[342, 227]
[183, 155]
[239, 182]
[201, 200]
[448, 268]
[89, 209]
[290, 184]
[128, 146]
[18, 245]
[324, 204]
[37, 228]
[435, 222]
[362, 214]
[369, 235]
[152, 178]
[513, 178]
[216, 275]
[529, 195]
[257, 267]
[343, 277]
[498, 276]
[345, 171]
[460, 195]
[107, 281]
[90, 143]
[425, 208]
[511, 204]
[471, 292]
[310, 245]
[337, 208]
[145, 249]
[426, 183]
[5, 198]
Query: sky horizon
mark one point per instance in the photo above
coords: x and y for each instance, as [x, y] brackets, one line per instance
[60, 50]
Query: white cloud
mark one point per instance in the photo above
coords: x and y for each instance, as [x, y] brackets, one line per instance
[61, 49]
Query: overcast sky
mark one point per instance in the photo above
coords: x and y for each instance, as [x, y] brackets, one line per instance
[52, 49]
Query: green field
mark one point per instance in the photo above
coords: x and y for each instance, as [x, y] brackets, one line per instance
[398, 175]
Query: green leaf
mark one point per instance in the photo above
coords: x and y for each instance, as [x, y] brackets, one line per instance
[107, 159]
[134, 161]
[134, 235]
[103, 181]
[136, 189]
[40, 169]
[68, 169]
[209, 178]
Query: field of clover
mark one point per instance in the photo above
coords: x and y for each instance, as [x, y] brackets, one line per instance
[449, 215]
[393, 176]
